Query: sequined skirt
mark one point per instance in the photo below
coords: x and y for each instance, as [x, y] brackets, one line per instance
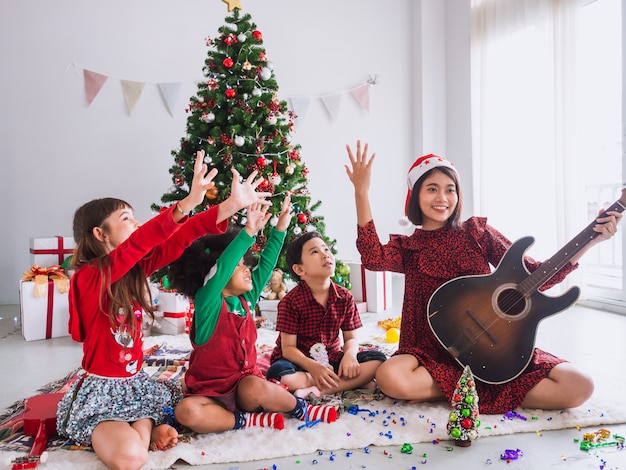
[92, 399]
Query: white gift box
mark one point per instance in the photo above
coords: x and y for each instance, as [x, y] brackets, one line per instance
[172, 302]
[173, 315]
[51, 251]
[268, 309]
[171, 323]
[43, 317]
[372, 287]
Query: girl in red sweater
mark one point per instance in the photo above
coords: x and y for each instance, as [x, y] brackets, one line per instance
[115, 406]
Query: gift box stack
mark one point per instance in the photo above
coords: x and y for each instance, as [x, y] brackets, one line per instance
[173, 314]
[374, 288]
[51, 251]
[44, 310]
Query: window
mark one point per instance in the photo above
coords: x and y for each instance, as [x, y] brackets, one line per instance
[547, 127]
[599, 92]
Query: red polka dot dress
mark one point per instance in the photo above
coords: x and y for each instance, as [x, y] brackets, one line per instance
[428, 259]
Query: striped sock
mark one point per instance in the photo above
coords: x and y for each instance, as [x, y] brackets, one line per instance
[265, 420]
[327, 414]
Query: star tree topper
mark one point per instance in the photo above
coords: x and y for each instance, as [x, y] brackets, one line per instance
[232, 4]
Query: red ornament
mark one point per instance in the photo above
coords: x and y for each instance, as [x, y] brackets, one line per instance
[261, 162]
[230, 93]
[302, 218]
[230, 39]
[265, 185]
[257, 35]
[466, 423]
[228, 62]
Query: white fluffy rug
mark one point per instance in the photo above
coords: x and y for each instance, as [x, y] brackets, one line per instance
[384, 423]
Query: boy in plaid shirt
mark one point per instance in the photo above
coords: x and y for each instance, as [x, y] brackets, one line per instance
[308, 356]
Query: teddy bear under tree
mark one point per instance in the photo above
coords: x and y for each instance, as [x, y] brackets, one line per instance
[237, 118]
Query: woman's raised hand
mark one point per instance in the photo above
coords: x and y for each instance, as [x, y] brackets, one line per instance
[361, 167]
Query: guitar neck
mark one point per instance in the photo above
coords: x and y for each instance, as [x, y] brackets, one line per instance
[551, 266]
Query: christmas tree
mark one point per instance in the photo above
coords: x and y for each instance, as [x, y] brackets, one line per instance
[237, 118]
[463, 420]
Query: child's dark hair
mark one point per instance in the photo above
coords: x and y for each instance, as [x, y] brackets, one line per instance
[294, 251]
[414, 212]
[187, 273]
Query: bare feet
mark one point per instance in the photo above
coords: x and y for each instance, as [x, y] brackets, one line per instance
[163, 437]
[371, 385]
[305, 392]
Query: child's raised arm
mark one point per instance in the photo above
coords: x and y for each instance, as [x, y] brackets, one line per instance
[285, 214]
[199, 185]
[257, 216]
[242, 194]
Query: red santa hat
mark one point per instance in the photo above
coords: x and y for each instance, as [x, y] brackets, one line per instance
[422, 165]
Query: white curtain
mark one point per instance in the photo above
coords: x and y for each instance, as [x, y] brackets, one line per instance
[523, 58]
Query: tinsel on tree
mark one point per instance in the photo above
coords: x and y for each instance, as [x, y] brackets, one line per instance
[237, 118]
[463, 421]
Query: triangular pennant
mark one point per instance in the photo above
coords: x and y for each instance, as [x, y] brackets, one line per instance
[170, 93]
[300, 106]
[332, 104]
[93, 84]
[132, 92]
[362, 95]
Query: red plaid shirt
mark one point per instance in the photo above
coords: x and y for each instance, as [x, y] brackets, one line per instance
[301, 315]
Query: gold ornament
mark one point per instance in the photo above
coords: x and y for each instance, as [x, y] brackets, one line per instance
[246, 66]
[289, 169]
[232, 4]
[211, 193]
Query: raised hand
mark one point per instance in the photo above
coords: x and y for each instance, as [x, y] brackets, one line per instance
[242, 194]
[257, 216]
[361, 171]
[285, 214]
[200, 183]
[360, 175]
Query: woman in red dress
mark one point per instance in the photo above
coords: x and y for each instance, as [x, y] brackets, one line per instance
[442, 248]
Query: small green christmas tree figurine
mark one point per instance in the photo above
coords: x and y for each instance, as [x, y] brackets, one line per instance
[237, 118]
[463, 422]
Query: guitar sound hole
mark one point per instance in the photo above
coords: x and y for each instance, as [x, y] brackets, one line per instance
[511, 302]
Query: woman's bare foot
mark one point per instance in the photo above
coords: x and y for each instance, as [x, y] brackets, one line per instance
[305, 392]
[163, 437]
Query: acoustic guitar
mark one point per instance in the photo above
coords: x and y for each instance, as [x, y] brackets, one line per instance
[489, 322]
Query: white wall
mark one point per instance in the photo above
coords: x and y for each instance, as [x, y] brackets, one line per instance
[58, 153]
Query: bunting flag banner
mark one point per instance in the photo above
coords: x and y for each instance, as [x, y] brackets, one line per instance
[332, 104]
[170, 93]
[300, 106]
[132, 92]
[362, 95]
[93, 84]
